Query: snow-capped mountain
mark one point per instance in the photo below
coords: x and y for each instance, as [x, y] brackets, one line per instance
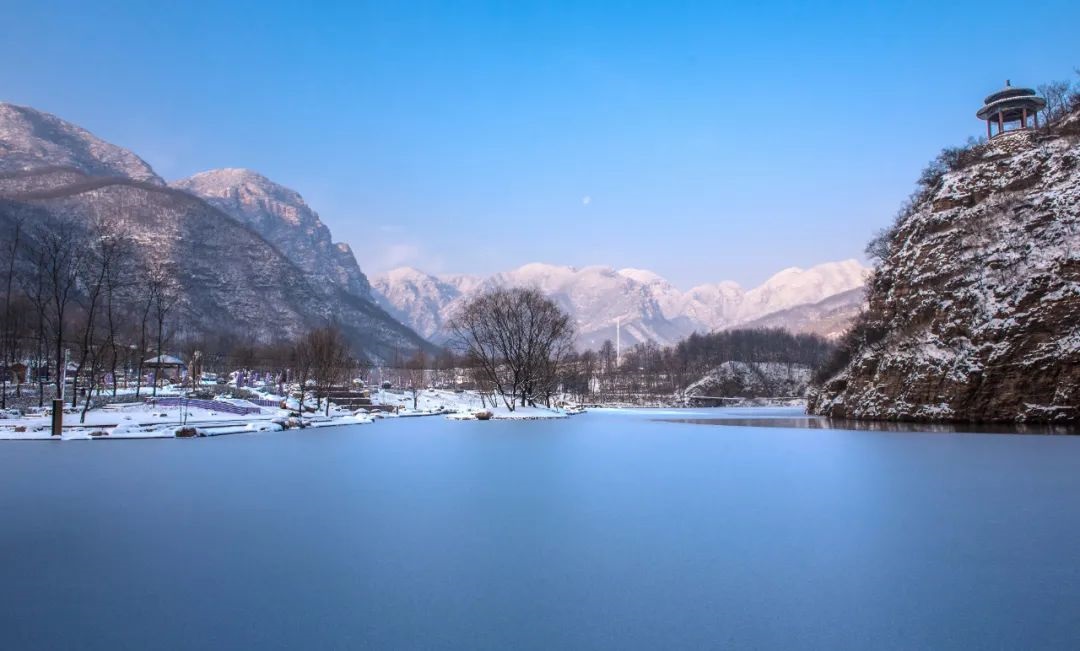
[258, 267]
[647, 306]
[282, 216]
[829, 318]
[32, 139]
[415, 297]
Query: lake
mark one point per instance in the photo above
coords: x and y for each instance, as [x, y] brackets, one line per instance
[614, 530]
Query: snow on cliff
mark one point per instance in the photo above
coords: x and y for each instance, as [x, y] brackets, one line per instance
[752, 380]
[974, 314]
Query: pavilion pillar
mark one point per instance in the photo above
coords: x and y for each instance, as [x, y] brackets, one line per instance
[1001, 124]
[988, 134]
[1023, 119]
[1036, 119]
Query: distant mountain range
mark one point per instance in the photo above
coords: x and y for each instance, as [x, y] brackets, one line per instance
[822, 300]
[253, 261]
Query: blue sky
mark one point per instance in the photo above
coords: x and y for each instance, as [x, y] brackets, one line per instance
[700, 140]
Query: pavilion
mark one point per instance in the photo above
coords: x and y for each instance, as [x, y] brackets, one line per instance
[167, 366]
[1011, 109]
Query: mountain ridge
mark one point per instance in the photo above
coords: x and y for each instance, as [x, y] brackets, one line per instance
[647, 306]
[30, 138]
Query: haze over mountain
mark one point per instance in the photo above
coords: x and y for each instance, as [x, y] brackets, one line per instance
[252, 261]
[647, 305]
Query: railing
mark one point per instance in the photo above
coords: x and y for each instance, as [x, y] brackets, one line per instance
[267, 403]
[213, 405]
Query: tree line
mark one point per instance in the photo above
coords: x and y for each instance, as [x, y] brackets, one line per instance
[517, 346]
[649, 372]
[75, 298]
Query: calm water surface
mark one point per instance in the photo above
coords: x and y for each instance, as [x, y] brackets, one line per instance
[607, 531]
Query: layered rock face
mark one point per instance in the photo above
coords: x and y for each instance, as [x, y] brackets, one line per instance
[974, 313]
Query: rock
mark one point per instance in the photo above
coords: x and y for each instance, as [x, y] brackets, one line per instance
[974, 314]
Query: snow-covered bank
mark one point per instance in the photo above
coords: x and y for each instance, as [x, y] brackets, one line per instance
[173, 417]
[464, 405]
[502, 413]
[145, 421]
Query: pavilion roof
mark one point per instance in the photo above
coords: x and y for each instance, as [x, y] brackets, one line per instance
[164, 360]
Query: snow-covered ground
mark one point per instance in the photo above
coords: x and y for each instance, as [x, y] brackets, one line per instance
[459, 406]
[143, 420]
[140, 421]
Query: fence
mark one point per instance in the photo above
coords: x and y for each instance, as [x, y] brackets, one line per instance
[213, 405]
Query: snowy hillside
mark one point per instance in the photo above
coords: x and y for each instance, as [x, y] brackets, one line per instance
[647, 305]
[283, 217]
[752, 380]
[974, 313]
[827, 318]
[417, 298]
[31, 139]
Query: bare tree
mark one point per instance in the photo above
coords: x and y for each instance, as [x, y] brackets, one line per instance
[330, 361]
[303, 362]
[62, 256]
[165, 295]
[516, 339]
[145, 295]
[1059, 101]
[7, 336]
[34, 287]
[104, 251]
[417, 367]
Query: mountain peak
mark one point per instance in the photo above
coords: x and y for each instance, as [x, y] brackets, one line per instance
[642, 275]
[235, 181]
[281, 215]
[406, 273]
[32, 139]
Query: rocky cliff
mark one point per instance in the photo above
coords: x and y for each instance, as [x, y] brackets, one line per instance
[974, 311]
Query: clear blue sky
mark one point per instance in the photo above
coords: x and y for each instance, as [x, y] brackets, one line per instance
[715, 140]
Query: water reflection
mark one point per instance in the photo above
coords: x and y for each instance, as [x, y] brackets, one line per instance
[820, 422]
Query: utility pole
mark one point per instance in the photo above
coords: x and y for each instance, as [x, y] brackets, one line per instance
[618, 342]
[58, 401]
